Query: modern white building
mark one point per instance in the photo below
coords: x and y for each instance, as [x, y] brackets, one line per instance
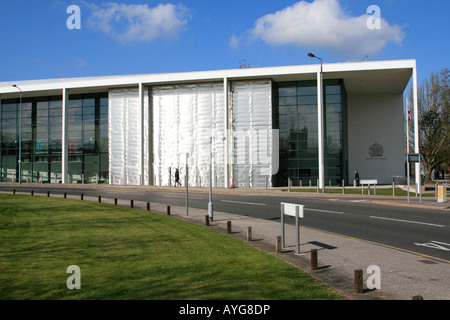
[252, 127]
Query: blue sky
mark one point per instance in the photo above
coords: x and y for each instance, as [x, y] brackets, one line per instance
[134, 37]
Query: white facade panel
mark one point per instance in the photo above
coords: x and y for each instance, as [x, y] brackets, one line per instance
[126, 150]
[253, 150]
[185, 117]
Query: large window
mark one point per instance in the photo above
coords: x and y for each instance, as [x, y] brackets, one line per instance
[88, 139]
[42, 139]
[296, 109]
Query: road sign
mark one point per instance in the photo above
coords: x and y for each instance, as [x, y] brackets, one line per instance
[291, 209]
[413, 157]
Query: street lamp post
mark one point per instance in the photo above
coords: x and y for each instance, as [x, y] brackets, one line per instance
[186, 182]
[20, 133]
[210, 205]
[320, 123]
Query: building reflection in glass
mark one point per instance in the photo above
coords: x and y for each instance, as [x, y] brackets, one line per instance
[295, 106]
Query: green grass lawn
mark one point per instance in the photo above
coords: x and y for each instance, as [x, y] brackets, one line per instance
[126, 253]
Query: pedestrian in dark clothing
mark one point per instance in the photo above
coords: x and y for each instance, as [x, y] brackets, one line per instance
[357, 177]
[177, 178]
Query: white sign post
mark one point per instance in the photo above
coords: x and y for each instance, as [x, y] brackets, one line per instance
[414, 158]
[295, 210]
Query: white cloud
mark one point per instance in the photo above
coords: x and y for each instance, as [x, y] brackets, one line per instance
[131, 23]
[324, 25]
[234, 42]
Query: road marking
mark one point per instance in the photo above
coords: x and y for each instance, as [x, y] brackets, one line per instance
[182, 197]
[354, 201]
[435, 245]
[443, 243]
[327, 211]
[241, 202]
[409, 221]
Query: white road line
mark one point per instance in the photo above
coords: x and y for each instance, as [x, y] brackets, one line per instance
[409, 221]
[434, 245]
[181, 197]
[327, 211]
[443, 243]
[241, 202]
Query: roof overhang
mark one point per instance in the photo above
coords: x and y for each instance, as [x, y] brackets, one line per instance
[359, 78]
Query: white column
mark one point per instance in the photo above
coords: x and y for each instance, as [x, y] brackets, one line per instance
[1, 139]
[231, 138]
[142, 121]
[320, 116]
[226, 135]
[65, 136]
[416, 125]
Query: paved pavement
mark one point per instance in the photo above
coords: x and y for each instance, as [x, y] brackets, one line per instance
[403, 275]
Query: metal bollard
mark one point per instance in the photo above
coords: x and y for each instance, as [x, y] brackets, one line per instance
[115, 201]
[99, 199]
[207, 220]
[249, 234]
[168, 210]
[278, 245]
[82, 196]
[314, 263]
[228, 227]
[132, 203]
[65, 195]
[358, 281]
[148, 206]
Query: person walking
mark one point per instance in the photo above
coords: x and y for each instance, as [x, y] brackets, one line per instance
[177, 178]
[357, 177]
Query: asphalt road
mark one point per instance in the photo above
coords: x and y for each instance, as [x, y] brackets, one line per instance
[424, 231]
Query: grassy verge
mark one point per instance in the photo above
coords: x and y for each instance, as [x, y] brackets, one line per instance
[126, 253]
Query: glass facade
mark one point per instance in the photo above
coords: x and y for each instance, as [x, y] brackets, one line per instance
[42, 139]
[294, 112]
[295, 109]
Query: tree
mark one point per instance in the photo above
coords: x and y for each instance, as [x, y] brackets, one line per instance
[434, 122]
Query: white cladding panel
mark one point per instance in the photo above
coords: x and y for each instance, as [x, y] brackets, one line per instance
[185, 117]
[253, 154]
[128, 142]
